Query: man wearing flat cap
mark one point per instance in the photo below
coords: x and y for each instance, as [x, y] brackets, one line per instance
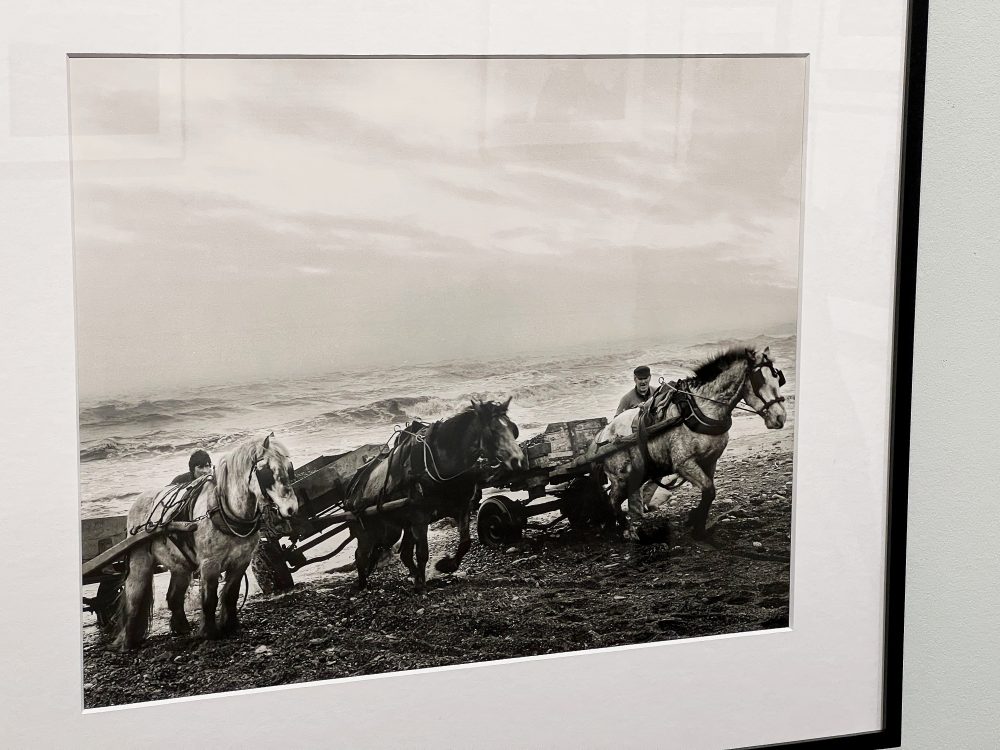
[638, 395]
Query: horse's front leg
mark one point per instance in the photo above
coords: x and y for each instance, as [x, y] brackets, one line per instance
[229, 616]
[209, 600]
[703, 480]
[406, 552]
[617, 471]
[176, 592]
[635, 511]
[362, 555]
[419, 530]
[450, 563]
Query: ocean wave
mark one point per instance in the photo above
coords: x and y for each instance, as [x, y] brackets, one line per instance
[391, 410]
[120, 447]
[158, 411]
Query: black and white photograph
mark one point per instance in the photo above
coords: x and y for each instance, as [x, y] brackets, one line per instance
[395, 363]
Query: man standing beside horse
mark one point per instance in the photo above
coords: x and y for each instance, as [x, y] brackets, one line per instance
[638, 395]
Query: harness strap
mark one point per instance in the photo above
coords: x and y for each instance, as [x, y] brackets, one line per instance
[181, 548]
[643, 441]
[697, 421]
[648, 464]
[176, 504]
[229, 523]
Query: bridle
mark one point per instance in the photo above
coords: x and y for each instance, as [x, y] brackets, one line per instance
[757, 382]
[245, 527]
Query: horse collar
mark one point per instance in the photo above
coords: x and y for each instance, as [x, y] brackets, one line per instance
[226, 521]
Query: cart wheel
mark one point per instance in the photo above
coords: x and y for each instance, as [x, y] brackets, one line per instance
[585, 503]
[270, 569]
[499, 522]
[105, 604]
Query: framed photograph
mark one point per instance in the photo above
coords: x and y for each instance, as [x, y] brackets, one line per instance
[461, 375]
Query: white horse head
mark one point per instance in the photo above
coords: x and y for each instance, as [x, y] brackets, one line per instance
[260, 469]
[762, 388]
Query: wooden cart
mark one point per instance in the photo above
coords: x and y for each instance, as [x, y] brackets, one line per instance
[558, 467]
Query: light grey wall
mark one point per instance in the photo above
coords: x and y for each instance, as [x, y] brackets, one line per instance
[952, 661]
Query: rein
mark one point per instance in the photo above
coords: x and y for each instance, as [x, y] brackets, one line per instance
[758, 412]
[422, 438]
[182, 495]
[713, 400]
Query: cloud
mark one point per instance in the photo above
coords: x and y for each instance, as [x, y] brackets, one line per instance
[364, 202]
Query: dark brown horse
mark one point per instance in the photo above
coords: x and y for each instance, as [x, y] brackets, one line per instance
[440, 469]
[702, 409]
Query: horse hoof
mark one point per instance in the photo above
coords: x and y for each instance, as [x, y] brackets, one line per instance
[703, 533]
[446, 565]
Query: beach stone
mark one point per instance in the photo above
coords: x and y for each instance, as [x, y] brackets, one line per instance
[758, 545]
[420, 611]
[529, 558]
[510, 550]
[262, 650]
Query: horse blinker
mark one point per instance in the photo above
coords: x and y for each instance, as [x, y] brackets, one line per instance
[265, 477]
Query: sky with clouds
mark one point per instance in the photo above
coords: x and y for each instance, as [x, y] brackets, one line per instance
[242, 219]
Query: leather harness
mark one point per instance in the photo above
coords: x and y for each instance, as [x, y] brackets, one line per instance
[651, 421]
[651, 417]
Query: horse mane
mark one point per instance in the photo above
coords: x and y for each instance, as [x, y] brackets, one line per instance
[233, 469]
[459, 422]
[712, 368]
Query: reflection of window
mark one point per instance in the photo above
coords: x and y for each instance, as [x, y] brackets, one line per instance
[122, 99]
[570, 94]
[126, 108]
[544, 102]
